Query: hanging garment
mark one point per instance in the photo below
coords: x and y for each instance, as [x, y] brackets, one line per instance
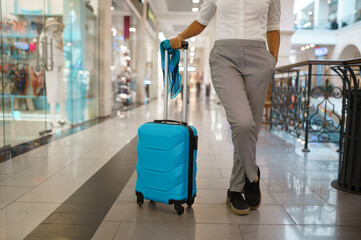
[37, 79]
[32, 47]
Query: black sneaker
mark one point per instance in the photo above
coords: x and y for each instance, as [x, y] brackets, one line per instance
[252, 192]
[237, 203]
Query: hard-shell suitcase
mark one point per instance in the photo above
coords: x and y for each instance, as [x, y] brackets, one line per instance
[167, 151]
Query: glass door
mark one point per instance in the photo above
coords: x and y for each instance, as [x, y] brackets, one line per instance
[24, 68]
[81, 56]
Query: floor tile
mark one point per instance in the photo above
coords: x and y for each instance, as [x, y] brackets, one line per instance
[82, 168]
[106, 231]
[212, 183]
[3, 177]
[226, 172]
[214, 164]
[31, 176]
[336, 197]
[199, 213]
[208, 173]
[55, 190]
[291, 184]
[127, 195]
[292, 232]
[319, 185]
[63, 231]
[275, 173]
[18, 219]
[325, 215]
[305, 198]
[135, 230]
[315, 174]
[10, 194]
[205, 157]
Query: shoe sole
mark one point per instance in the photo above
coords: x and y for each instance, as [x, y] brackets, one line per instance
[235, 210]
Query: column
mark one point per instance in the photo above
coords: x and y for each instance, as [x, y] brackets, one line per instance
[142, 54]
[105, 58]
[287, 31]
[321, 14]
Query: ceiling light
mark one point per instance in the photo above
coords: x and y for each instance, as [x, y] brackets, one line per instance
[193, 39]
[112, 8]
[310, 13]
[195, 1]
[303, 48]
[195, 9]
[192, 54]
[132, 29]
[192, 49]
[161, 36]
[312, 45]
[329, 1]
[307, 46]
[114, 30]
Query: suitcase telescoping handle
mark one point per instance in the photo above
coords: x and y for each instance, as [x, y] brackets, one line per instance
[185, 80]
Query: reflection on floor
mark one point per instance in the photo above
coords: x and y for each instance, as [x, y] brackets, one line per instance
[298, 200]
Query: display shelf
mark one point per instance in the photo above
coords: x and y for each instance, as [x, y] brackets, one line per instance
[36, 15]
[19, 36]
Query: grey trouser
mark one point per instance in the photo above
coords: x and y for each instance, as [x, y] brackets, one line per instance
[241, 73]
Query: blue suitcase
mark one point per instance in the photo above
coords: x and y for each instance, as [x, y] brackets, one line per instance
[167, 152]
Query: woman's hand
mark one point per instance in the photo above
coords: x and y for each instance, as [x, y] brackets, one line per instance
[176, 42]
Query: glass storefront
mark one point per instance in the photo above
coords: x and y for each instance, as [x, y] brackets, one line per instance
[123, 65]
[324, 14]
[49, 66]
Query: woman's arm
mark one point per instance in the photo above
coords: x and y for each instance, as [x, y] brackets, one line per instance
[193, 30]
[273, 41]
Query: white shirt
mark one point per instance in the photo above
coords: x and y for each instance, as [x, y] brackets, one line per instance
[241, 19]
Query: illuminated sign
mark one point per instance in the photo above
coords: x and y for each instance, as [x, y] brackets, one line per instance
[321, 51]
[151, 17]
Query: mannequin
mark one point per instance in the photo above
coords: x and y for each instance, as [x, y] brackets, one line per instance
[55, 77]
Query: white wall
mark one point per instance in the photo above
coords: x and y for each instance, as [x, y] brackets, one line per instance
[347, 36]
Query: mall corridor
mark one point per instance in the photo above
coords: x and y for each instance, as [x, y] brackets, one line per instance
[78, 78]
[84, 184]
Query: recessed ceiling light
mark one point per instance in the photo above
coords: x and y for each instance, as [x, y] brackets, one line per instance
[112, 8]
[193, 39]
[312, 45]
[195, 1]
[192, 54]
[192, 49]
[303, 48]
[307, 46]
[310, 13]
[195, 9]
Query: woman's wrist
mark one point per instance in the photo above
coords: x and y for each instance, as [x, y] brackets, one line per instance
[180, 36]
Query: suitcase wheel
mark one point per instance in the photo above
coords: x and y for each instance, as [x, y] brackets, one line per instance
[190, 203]
[140, 199]
[179, 208]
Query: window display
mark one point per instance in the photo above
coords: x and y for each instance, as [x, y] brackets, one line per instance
[123, 74]
[49, 67]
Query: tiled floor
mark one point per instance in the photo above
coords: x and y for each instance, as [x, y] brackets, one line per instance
[298, 200]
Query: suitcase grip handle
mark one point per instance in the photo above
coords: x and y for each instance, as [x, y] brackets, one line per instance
[170, 121]
[185, 45]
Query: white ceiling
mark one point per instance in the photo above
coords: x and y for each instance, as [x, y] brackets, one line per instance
[174, 16]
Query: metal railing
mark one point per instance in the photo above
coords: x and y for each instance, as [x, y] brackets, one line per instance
[307, 100]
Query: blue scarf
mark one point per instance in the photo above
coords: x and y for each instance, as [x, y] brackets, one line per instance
[174, 78]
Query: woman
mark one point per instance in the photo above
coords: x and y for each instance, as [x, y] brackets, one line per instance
[241, 69]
